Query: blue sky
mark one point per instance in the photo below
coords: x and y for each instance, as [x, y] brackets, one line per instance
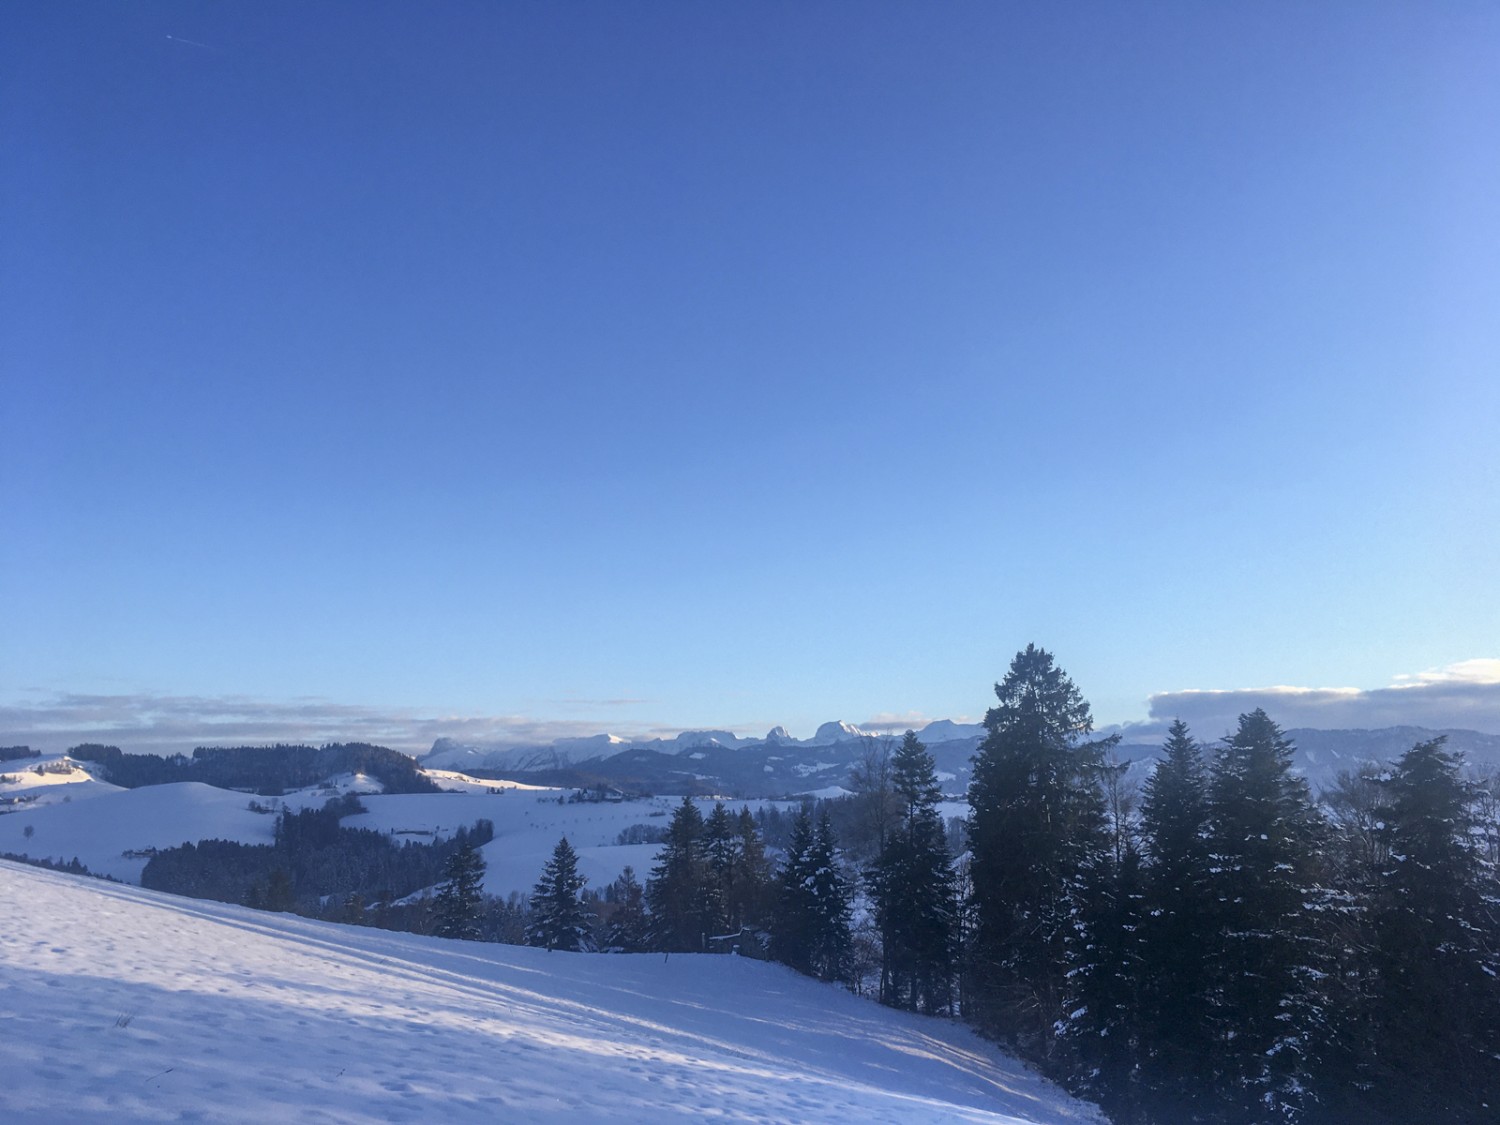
[648, 366]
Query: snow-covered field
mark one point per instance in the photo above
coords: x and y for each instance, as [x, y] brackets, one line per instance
[124, 1005]
[111, 831]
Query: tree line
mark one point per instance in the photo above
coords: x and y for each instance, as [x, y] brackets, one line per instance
[1236, 952]
[265, 770]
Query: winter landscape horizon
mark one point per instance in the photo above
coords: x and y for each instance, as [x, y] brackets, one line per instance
[784, 562]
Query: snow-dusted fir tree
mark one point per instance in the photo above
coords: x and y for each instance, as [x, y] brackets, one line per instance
[1265, 959]
[913, 888]
[1435, 1003]
[1104, 1047]
[681, 891]
[559, 917]
[721, 856]
[459, 900]
[629, 926]
[810, 931]
[749, 902]
[1175, 923]
[1037, 829]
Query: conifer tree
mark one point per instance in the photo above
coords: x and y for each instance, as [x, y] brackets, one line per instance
[1265, 959]
[1036, 831]
[749, 900]
[721, 853]
[831, 906]
[629, 926]
[1103, 1034]
[913, 886]
[680, 891]
[559, 918]
[792, 922]
[1176, 924]
[459, 900]
[811, 928]
[1436, 1003]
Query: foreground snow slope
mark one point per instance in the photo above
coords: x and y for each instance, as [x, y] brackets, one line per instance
[124, 1005]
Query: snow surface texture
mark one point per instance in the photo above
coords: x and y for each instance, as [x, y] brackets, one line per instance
[124, 1005]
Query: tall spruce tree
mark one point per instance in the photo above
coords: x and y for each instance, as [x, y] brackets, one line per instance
[749, 901]
[1103, 1036]
[913, 887]
[559, 918]
[791, 923]
[1176, 922]
[1265, 958]
[1436, 1003]
[681, 891]
[629, 926]
[1036, 836]
[810, 931]
[459, 901]
[721, 853]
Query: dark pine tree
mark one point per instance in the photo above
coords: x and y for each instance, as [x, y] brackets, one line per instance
[680, 892]
[721, 854]
[629, 927]
[791, 924]
[749, 902]
[810, 931]
[459, 900]
[831, 907]
[559, 917]
[912, 884]
[1036, 834]
[1265, 960]
[1176, 922]
[1102, 1032]
[1435, 1004]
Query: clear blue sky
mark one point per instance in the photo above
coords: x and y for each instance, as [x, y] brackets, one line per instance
[652, 365]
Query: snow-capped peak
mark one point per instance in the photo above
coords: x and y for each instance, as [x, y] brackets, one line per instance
[836, 731]
[689, 739]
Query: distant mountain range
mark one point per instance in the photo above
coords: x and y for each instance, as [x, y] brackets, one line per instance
[776, 764]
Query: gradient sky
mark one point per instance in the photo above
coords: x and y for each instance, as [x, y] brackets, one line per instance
[642, 366]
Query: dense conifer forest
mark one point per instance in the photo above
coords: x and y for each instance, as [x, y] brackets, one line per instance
[266, 770]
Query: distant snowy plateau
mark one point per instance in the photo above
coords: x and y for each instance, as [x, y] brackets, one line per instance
[122, 1005]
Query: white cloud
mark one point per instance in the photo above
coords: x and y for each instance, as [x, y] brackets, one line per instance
[160, 724]
[895, 721]
[1481, 671]
[1465, 696]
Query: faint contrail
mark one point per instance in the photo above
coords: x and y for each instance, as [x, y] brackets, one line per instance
[191, 42]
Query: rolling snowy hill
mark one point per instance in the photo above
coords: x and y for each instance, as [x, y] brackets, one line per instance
[114, 830]
[123, 1005]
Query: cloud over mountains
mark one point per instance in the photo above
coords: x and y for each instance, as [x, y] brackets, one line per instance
[167, 724]
[1465, 696]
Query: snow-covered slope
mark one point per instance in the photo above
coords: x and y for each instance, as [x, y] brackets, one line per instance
[123, 1005]
[35, 782]
[114, 833]
[110, 834]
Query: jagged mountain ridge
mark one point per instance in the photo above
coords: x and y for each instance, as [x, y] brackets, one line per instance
[778, 765]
